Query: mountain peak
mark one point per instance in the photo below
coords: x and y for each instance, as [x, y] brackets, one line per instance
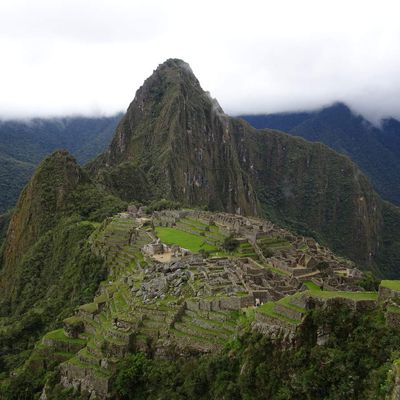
[173, 74]
[169, 105]
[42, 200]
[337, 108]
[176, 63]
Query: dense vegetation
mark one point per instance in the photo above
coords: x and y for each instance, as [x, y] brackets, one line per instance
[376, 150]
[4, 221]
[58, 273]
[24, 143]
[48, 267]
[353, 364]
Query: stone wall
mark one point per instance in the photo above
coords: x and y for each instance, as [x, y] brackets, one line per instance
[266, 319]
[387, 294]
[62, 346]
[288, 312]
[85, 380]
[233, 303]
[300, 301]
[395, 395]
[358, 305]
[393, 318]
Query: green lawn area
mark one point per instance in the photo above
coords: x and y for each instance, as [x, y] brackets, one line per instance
[311, 285]
[183, 239]
[394, 285]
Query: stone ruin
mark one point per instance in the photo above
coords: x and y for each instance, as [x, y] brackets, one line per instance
[162, 252]
[317, 263]
[189, 302]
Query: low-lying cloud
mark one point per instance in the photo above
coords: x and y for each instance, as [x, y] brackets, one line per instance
[89, 57]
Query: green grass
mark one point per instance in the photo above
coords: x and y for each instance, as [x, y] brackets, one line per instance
[311, 285]
[101, 298]
[90, 223]
[72, 320]
[59, 335]
[183, 239]
[393, 309]
[90, 307]
[394, 285]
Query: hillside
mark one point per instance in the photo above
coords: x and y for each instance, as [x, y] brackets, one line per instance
[183, 317]
[375, 150]
[46, 266]
[176, 142]
[24, 143]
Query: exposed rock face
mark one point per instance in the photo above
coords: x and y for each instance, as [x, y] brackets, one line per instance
[395, 395]
[177, 139]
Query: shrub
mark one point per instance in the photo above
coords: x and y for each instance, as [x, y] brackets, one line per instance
[230, 243]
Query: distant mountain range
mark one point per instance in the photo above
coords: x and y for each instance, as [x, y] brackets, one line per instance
[376, 150]
[24, 143]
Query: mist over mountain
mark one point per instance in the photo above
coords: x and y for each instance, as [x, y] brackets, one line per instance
[375, 150]
[24, 143]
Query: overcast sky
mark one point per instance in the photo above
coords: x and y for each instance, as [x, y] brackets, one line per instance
[90, 57]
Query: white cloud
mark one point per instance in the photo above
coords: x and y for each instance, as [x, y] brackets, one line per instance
[62, 57]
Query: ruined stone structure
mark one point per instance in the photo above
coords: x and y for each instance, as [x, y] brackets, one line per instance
[192, 303]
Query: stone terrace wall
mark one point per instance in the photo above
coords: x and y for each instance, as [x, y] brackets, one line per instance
[387, 294]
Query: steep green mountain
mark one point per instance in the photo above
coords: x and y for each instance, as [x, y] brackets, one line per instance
[177, 141]
[24, 143]
[375, 150]
[46, 264]
[14, 175]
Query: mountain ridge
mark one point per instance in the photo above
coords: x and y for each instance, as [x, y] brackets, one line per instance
[376, 150]
[24, 143]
